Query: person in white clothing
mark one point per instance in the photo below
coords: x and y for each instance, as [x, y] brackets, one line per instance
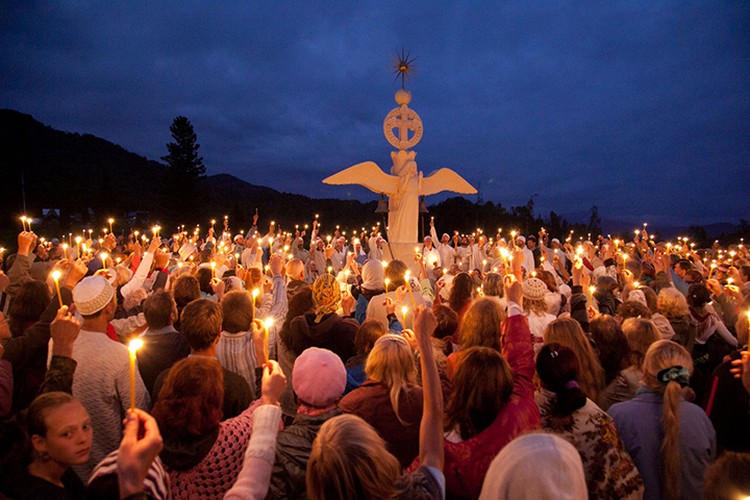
[431, 257]
[102, 378]
[442, 245]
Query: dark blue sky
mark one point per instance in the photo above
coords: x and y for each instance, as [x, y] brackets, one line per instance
[641, 108]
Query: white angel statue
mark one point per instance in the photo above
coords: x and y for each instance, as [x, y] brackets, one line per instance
[403, 186]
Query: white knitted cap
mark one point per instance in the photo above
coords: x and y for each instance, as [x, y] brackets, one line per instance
[92, 294]
[534, 289]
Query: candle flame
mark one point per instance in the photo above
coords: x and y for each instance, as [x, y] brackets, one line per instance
[135, 344]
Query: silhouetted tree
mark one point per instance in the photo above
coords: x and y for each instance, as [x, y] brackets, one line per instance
[185, 168]
[595, 222]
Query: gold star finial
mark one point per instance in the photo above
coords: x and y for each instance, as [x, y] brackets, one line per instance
[403, 66]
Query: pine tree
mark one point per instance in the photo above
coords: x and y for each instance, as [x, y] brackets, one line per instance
[185, 170]
[595, 222]
[183, 159]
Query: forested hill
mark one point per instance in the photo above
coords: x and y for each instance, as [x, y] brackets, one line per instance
[90, 179]
[87, 176]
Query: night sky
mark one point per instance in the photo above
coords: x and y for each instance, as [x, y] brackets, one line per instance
[641, 108]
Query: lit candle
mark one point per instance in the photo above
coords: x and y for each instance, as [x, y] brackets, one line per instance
[103, 256]
[213, 270]
[111, 221]
[23, 222]
[404, 309]
[56, 278]
[134, 345]
[386, 282]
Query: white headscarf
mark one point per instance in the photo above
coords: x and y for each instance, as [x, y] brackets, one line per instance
[536, 466]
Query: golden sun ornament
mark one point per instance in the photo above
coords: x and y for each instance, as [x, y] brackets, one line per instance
[403, 66]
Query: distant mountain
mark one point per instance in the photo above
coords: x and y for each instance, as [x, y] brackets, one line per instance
[90, 178]
[71, 171]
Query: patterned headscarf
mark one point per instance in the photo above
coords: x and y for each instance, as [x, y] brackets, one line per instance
[326, 294]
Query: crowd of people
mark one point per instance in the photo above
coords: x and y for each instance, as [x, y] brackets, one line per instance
[293, 365]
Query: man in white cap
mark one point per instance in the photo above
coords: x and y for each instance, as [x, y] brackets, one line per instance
[102, 378]
[444, 247]
[431, 257]
[528, 255]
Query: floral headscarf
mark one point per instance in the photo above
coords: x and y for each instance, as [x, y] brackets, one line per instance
[326, 294]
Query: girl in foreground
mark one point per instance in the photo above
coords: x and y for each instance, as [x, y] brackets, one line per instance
[59, 433]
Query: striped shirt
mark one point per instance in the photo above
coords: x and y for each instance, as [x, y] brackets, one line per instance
[236, 353]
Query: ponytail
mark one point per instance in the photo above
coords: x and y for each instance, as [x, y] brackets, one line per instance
[558, 369]
[570, 397]
[670, 447]
[666, 369]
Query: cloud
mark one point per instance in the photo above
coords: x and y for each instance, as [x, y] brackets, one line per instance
[634, 107]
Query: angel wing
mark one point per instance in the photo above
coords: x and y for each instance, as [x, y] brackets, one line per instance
[445, 179]
[366, 174]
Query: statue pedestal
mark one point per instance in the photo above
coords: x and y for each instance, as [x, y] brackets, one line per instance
[405, 253]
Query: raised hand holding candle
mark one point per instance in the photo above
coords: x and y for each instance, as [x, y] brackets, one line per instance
[133, 346]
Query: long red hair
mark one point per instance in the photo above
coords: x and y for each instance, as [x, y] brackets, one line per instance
[190, 401]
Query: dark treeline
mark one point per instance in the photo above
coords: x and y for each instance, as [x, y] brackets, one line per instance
[89, 179]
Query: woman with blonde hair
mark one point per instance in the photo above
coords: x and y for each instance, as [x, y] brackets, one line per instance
[671, 441]
[640, 334]
[390, 399]
[568, 332]
[672, 304]
[480, 327]
[350, 460]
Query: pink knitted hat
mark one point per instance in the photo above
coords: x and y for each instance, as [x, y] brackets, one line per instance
[318, 377]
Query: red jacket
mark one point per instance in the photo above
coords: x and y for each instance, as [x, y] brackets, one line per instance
[466, 463]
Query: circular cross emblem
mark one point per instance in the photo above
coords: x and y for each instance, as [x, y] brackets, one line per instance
[403, 119]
